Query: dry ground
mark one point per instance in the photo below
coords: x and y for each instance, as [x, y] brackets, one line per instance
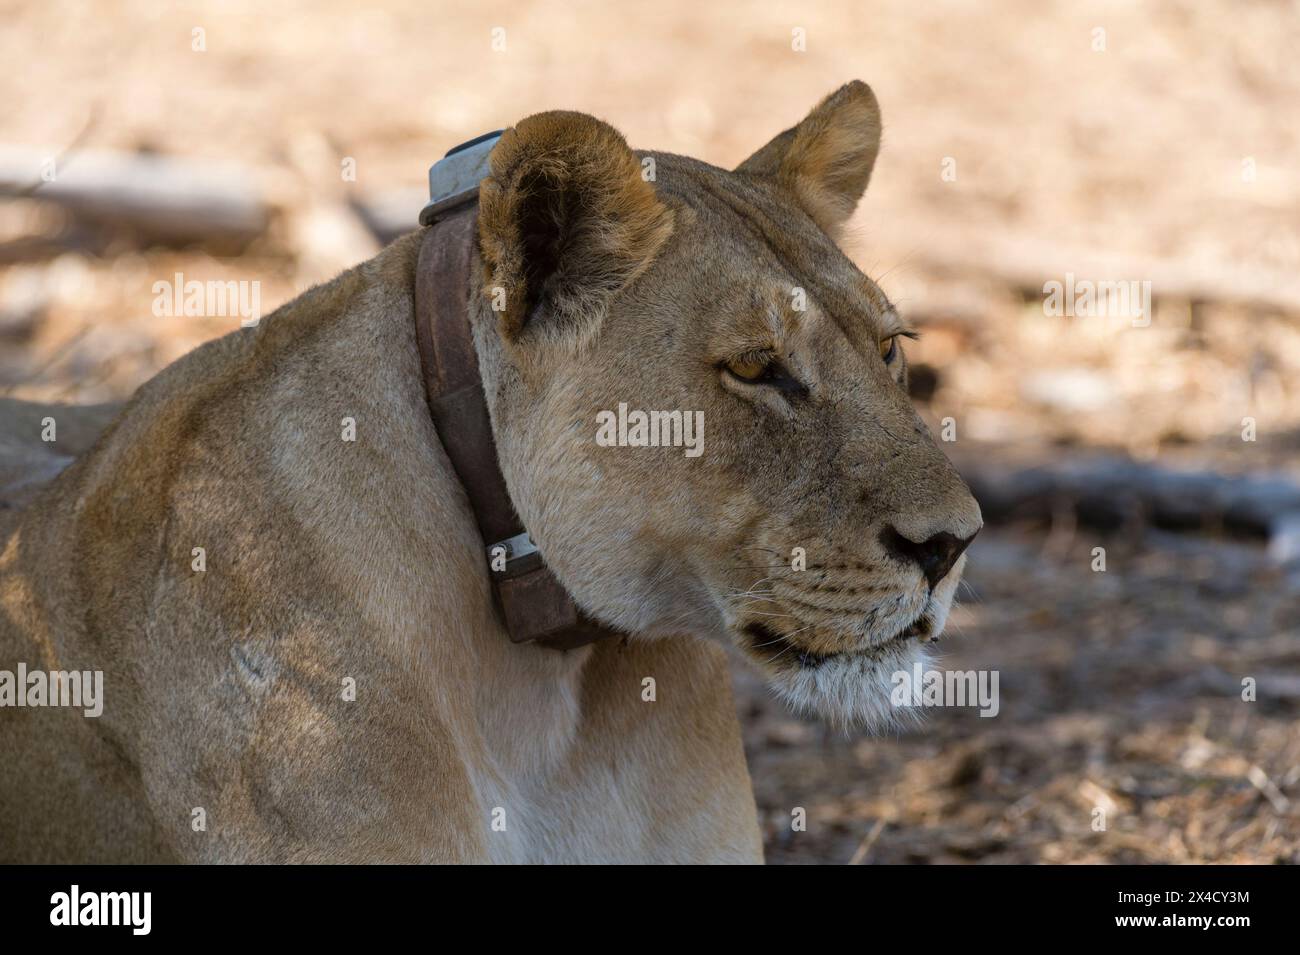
[1118, 690]
[1170, 154]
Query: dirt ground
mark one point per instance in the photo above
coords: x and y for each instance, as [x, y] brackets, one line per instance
[1119, 690]
[1024, 141]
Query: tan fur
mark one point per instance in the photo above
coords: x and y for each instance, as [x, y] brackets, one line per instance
[329, 559]
[827, 159]
[543, 161]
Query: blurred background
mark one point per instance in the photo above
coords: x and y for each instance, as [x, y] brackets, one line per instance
[1026, 142]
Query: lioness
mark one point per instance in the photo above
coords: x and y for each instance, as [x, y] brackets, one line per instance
[301, 658]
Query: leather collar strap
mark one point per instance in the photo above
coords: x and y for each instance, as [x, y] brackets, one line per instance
[533, 604]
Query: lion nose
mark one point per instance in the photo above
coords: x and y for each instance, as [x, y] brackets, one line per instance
[935, 555]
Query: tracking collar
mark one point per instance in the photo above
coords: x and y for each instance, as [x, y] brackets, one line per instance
[532, 603]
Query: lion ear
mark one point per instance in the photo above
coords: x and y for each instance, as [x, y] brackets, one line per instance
[565, 222]
[827, 159]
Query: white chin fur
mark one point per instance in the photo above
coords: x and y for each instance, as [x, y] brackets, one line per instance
[853, 692]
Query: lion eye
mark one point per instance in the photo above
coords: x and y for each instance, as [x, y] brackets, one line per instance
[762, 368]
[749, 367]
[889, 348]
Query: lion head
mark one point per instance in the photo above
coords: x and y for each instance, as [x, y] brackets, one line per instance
[700, 403]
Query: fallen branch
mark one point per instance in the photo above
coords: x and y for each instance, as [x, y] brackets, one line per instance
[1109, 492]
[393, 213]
[163, 199]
